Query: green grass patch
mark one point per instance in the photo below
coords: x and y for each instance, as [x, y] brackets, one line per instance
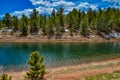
[106, 76]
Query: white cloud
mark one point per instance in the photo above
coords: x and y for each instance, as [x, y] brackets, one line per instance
[44, 10]
[19, 13]
[64, 3]
[86, 5]
[83, 5]
[94, 7]
[52, 3]
[46, 7]
[27, 12]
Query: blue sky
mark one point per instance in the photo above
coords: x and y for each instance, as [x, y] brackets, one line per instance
[19, 7]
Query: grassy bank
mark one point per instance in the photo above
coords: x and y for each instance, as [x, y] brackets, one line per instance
[106, 76]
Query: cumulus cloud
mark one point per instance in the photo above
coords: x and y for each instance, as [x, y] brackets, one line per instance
[51, 3]
[44, 10]
[19, 13]
[46, 7]
[68, 5]
[27, 12]
[86, 5]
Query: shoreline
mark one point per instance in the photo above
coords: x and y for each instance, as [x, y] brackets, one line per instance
[40, 38]
[73, 72]
[57, 40]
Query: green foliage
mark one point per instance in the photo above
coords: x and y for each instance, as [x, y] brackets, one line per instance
[50, 27]
[44, 28]
[34, 21]
[15, 22]
[70, 22]
[24, 28]
[43, 23]
[107, 76]
[7, 20]
[37, 69]
[84, 26]
[5, 77]
[60, 17]
[101, 21]
[1, 24]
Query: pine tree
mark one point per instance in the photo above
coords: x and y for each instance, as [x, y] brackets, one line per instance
[24, 28]
[7, 20]
[53, 17]
[1, 25]
[37, 69]
[84, 26]
[50, 27]
[42, 24]
[15, 22]
[34, 21]
[40, 21]
[70, 23]
[61, 18]
[75, 18]
[44, 29]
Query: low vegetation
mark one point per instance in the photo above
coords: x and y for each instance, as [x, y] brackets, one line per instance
[107, 76]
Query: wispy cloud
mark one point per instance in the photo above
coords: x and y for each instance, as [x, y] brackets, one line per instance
[113, 1]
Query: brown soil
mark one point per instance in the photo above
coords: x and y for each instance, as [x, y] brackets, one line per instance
[75, 72]
[41, 39]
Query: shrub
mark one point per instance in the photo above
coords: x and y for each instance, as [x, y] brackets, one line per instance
[37, 69]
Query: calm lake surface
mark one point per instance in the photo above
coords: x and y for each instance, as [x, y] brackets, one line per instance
[13, 56]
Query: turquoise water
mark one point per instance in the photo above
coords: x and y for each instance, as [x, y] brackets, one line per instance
[13, 56]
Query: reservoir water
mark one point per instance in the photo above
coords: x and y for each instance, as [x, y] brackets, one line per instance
[13, 56]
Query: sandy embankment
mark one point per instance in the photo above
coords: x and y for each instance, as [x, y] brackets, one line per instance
[40, 38]
[75, 71]
[57, 40]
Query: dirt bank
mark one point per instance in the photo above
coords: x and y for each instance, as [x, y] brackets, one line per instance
[75, 71]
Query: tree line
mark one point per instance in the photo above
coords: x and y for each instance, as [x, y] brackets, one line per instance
[76, 21]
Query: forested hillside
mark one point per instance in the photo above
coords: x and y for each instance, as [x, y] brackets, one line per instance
[75, 22]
